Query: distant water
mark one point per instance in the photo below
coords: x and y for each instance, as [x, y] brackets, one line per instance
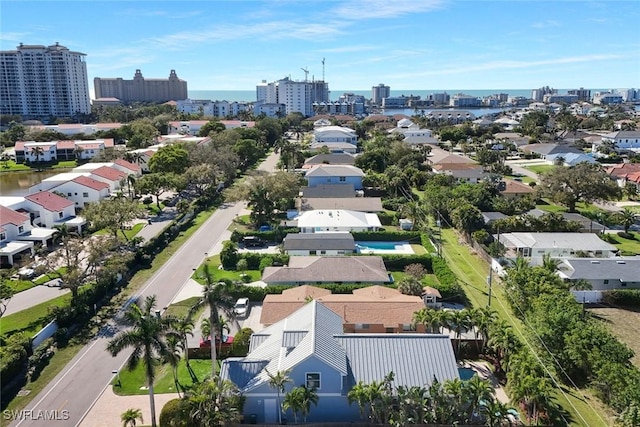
[250, 95]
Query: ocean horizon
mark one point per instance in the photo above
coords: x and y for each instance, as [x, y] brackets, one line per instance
[250, 95]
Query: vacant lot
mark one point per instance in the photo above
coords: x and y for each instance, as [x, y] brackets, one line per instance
[625, 325]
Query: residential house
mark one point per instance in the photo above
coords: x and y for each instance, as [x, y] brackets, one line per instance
[439, 156]
[335, 174]
[569, 159]
[328, 191]
[330, 159]
[514, 189]
[76, 128]
[472, 173]
[624, 140]
[110, 176]
[587, 225]
[305, 244]
[374, 309]
[310, 345]
[337, 220]
[50, 210]
[53, 181]
[546, 149]
[359, 204]
[333, 147]
[624, 173]
[328, 135]
[511, 138]
[556, 245]
[451, 116]
[491, 217]
[304, 270]
[603, 273]
[83, 190]
[12, 225]
[48, 151]
[412, 133]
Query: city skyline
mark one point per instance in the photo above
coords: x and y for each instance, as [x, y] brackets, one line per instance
[433, 44]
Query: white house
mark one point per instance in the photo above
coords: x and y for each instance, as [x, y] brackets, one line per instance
[83, 190]
[603, 273]
[49, 209]
[557, 245]
[56, 180]
[12, 224]
[337, 220]
[110, 176]
[330, 134]
[333, 147]
[624, 139]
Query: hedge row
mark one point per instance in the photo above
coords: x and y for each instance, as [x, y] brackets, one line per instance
[257, 261]
[256, 294]
[622, 297]
[449, 287]
[396, 262]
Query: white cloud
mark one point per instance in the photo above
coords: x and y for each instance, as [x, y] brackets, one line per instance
[371, 9]
[349, 49]
[549, 23]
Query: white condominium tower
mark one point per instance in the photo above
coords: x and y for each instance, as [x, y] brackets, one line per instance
[43, 81]
[296, 96]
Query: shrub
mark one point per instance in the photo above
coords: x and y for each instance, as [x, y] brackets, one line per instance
[386, 236]
[174, 414]
[240, 345]
[229, 255]
[426, 243]
[622, 297]
[40, 358]
[275, 236]
[386, 218]
[410, 285]
[395, 262]
[242, 265]
[624, 235]
[416, 270]
[448, 286]
[13, 356]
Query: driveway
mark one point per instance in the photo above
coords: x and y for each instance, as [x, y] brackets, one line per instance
[34, 296]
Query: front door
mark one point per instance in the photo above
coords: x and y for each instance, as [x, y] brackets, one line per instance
[270, 411]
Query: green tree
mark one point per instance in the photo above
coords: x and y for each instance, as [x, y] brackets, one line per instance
[6, 293]
[218, 298]
[37, 151]
[299, 400]
[112, 214]
[410, 285]
[172, 158]
[627, 218]
[359, 394]
[229, 255]
[584, 182]
[130, 417]
[215, 403]
[147, 337]
[213, 126]
[278, 381]
[157, 183]
[467, 217]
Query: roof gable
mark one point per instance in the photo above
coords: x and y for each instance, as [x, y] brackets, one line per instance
[9, 216]
[49, 201]
[90, 183]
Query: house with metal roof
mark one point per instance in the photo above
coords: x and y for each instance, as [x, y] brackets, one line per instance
[301, 244]
[304, 270]
[333, 147]
[603, 273]
[329, 159]
[556, 245]
[332, 220]
[328, 190]
[335, 174]
[310, 345]
[359, 204]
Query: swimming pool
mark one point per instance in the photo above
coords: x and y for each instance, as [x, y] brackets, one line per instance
[384, 248]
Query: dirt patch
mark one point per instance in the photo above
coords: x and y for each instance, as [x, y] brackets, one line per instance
[625, 325]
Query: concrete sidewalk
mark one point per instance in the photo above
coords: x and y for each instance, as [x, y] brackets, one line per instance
[108, 408]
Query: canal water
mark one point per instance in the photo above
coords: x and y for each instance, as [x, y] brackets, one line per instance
[18, 183]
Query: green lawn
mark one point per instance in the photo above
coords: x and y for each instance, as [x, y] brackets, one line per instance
[213, 263]
[134, 382]
[12, 166]
[419, 249]
[471, 272]
[20, 285]
[32, 319]
[241, 223]
[181, 309]
[46, 277]
[627, 246]
[540, 168]
[152, 207]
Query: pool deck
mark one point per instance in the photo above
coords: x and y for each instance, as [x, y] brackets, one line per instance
[401, 248]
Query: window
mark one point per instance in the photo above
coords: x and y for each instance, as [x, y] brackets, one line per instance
[343, 179]
[3, 236]
[60, 214]
[362, 326]
[313, 380]
[407, 327]
[85, 195]
[21, 229]
[606, 281]
[69, 194]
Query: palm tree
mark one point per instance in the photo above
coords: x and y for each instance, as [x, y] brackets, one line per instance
[460, 323]
[495, 412]
[477, 391]
[174, 342]
[215, 403]
[130, 417]
[308, 396]
[359, 394]
[147, 337]
[481, 318]
[627, 218]
[217, 297]
[552, 265]
[502, 342]
[37, 151]
[423, 317]
[184, 326]
[278, 381]
[455, 390]
[223, 326]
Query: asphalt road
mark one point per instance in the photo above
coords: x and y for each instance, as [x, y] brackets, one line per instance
[75, 389]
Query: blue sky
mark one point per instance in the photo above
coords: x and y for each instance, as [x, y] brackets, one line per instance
[406, 44]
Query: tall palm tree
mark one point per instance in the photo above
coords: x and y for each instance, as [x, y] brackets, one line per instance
[218, 298]
[184, 326]
[481, 318]
[223, 326]
[174, 342]
[130, 417]
[293, 401]
[215, 403]
[477, 390]
[278, 381]
[359, 394]
[37, 151]
[627, 218]
[308, 396]
[495, 412]
[147, 337]
[460, 323]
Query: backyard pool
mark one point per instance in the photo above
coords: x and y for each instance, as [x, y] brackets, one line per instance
[384, 248]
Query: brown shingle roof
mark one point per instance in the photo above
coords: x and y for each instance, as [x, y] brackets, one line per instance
[515, 187]
[373, 305]
[50, 201]
[328, 269]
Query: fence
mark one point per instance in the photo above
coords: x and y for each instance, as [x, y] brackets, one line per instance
[43, 334]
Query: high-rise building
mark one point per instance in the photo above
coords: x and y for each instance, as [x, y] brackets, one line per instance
[140, 89]
[38, 82]
[538, 94]
[295, 96]
[583, 94]
[380, 92]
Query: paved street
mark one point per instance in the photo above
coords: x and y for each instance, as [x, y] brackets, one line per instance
[79, 385]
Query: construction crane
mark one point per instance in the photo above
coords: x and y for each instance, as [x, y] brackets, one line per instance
[306, 74]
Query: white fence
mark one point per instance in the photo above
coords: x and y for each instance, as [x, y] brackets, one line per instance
[43, 334]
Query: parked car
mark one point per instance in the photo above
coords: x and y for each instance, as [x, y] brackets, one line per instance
[265, 227]
[253, 242]
[242, 307]
[227, 341]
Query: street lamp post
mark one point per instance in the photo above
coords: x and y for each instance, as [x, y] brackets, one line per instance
[117, 374]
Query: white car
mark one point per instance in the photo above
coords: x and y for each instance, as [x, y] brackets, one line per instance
[242, 307]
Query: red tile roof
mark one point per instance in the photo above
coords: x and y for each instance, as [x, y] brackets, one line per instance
[90, 183]
[109, 173]
[9, 216]
[50, 201]
[125, 164]
[66, 145]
